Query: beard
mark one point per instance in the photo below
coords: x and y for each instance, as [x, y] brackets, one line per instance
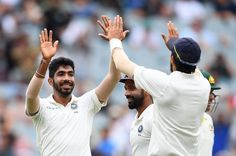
[64, 92]
[135, 102]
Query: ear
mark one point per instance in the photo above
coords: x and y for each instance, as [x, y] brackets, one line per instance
[172, 59]
[50, 81]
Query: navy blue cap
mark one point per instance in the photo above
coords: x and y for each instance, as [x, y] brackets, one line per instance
[126, 77]
[186, 50]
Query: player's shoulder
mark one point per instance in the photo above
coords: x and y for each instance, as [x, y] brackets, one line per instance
[87, 94]
[148, 113]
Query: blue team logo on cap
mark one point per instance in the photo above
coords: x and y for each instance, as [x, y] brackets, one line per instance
[140, 128]
[74, 106]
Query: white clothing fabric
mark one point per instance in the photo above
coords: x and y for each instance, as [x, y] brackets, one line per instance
[179, 103]
[140, 132]
[65, 131]
[206, 136]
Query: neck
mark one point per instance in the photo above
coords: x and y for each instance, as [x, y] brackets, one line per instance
[62, 100]
[146, 102]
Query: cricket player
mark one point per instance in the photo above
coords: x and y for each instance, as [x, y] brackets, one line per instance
[141, 128]
[62, 121]
[207, 127]
[180, 98]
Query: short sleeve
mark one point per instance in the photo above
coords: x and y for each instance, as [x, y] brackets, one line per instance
[152, 81]
[41, 111]
[92, 100]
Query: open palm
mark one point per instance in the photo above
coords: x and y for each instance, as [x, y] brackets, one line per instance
[106, 25]
[48, 48]
[172, 33]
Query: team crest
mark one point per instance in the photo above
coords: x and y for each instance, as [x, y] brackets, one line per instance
[140, 128]
[211, 80]
[74, 106]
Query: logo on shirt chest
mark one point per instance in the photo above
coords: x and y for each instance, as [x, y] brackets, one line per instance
[74, 107]
[140, 129]
[52, 107]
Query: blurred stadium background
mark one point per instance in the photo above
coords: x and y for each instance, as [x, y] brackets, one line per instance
[211, 22]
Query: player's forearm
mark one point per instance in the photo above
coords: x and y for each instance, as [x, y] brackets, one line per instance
[34, 87]
[113, 70]
[32, 95]
[37, 80]
[120, 58]
[105, 88]
[32, 92]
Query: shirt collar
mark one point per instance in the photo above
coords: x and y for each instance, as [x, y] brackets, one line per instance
[143, 113]
[52, 101]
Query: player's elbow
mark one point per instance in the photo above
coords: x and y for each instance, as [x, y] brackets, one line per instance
[30, 94]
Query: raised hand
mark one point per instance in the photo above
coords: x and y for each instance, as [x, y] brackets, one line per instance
[109, 27]
[104, 25]
[48, 48]
[172, 33]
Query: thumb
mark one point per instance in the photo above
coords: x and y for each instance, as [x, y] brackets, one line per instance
[164, 37]
[125, 32]
[103, 36]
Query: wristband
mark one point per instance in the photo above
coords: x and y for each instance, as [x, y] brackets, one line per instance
[115, 43]
[45, 61]
[38, 75]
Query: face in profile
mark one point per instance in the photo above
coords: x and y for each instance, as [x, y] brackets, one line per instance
[134, 96]
[63, 80]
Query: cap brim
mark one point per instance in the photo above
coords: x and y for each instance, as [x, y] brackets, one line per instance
[124, 79]
[215, 88]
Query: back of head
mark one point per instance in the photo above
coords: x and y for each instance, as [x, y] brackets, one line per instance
[186, 53]
[57, 62]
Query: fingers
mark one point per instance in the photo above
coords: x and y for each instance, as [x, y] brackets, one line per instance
[169, 28]
[46, 34]
[121, 23]
[40, 39]
[50, 36]
[172, 30]
[116, 20]
[105, 20]
[43, 36]
[112, 28]
[102, 26]
[164, 37]
[110, 23]
[175, 31]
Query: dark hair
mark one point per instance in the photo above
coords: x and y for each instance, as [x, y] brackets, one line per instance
[183, 67]
[56, 63]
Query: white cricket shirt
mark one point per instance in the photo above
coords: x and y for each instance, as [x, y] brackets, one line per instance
[140, 132]
[65, 131]
[206, 140]
[179, 103]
